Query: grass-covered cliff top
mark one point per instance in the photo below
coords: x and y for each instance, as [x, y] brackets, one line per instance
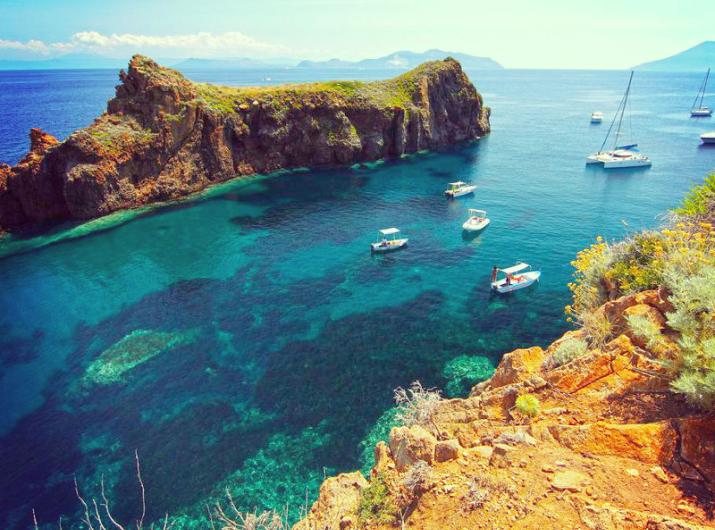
[399, 91]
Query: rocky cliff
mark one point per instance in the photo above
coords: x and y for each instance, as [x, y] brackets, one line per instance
[600, 443]
[164, 137]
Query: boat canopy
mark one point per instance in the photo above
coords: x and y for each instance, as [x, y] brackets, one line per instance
[458, 183]
[477, 213]
[515, 268]
[389, 231]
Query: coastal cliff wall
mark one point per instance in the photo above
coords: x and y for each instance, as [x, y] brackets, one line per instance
[164, 137]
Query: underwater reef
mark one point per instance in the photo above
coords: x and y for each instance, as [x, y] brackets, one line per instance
[164, 137]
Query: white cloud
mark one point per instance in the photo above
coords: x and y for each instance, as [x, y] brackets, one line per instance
[201, 44]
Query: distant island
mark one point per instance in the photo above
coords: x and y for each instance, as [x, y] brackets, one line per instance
[401, 60]
[164, 137]
[405, 60]
[698, 58]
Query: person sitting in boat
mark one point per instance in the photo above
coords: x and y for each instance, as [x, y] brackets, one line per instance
[508, 279]
[384, 243]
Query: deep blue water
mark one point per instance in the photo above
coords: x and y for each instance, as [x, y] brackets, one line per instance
[257, 340]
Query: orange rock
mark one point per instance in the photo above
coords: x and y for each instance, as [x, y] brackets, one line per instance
[697, 446]
[410, 444]
[338, 498]
[646, 442]
[517, 366]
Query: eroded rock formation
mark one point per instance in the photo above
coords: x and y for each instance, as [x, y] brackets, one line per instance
[164, 137]
[610, 448]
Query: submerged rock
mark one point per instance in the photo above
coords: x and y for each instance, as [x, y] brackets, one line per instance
[134, 349]
[164, 137]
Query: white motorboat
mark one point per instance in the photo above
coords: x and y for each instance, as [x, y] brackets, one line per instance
[708, 137]
[596, 117]
[699, 110]
[388, 240]
[459, 188]
[477, 221]
[620, 156]
[516, 277]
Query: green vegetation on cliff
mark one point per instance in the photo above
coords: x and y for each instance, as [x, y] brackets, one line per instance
[680, 260]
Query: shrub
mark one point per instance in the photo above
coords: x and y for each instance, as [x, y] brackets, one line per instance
[597, 327]
[587, 289]
[418, 477]
[482, 488]
[700, 201]
[376, 504]
[569, 350]
[528, 405]
[646, 329]
[417, 405]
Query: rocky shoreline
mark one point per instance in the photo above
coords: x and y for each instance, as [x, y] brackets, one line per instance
[164, 137]
[605, 445]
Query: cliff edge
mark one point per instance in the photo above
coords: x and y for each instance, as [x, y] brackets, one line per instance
[163, 137]
[599, 443]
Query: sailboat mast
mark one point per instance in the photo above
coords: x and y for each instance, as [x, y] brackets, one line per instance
[705, 86]
[623, 110]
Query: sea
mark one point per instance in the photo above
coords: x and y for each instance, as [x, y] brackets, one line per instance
[246, 340]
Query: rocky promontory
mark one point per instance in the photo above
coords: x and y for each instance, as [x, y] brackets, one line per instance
[601, 445]
[163, 137]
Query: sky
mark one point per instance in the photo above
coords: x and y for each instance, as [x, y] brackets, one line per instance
[516, 33]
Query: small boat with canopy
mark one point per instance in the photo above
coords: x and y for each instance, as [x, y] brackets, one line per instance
[459, 188]
[388, 239]
[699, 110]
[623, 155]
[477, 221]
[596, 117]
[516, 277]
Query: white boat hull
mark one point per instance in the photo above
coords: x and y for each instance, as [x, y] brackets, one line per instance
[520, 281]
[389, 246]
[701, 113]
[617, 162]
[708, 138]
[475, 226]
[460, 192]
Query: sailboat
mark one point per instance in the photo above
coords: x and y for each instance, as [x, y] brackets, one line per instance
[698, 110]
[621, 156]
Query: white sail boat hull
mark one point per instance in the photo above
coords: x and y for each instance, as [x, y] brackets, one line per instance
[708, 138]
[616, 160]
[701, 113]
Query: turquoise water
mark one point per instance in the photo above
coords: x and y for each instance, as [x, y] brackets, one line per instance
[247, 339]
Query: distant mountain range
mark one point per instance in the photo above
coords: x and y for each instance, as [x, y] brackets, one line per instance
[406, 60]
[697, 58]
[398, 60]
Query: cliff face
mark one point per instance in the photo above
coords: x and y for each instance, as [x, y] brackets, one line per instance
[163, 137]
[604, 445]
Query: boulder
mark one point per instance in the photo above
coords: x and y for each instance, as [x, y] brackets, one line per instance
[338, 499]
[569, 480]
[517, 366]
[447, 450]
[410, 444]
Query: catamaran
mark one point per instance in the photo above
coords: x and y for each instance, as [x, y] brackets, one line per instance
[477, 221]
[388, 240]
[621, 156]
[516, 277]
[459, 188]
[596, 117]
[698, 110]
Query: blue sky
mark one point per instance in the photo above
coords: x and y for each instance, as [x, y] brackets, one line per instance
[517, 33]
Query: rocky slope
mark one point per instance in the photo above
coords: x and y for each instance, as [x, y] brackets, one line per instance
[164, 137]
[610, 447]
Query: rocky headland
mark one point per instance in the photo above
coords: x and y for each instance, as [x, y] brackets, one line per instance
[606, 448]
[164, 137]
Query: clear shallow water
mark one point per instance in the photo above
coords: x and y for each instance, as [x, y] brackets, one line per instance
[248, 339]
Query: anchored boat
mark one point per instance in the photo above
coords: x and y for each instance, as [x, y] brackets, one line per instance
[516, 277]
[477, 221]
[459, 188]
[388, 240]
[698, 110]
[708, 137]
[621, 156]
[596, 117]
